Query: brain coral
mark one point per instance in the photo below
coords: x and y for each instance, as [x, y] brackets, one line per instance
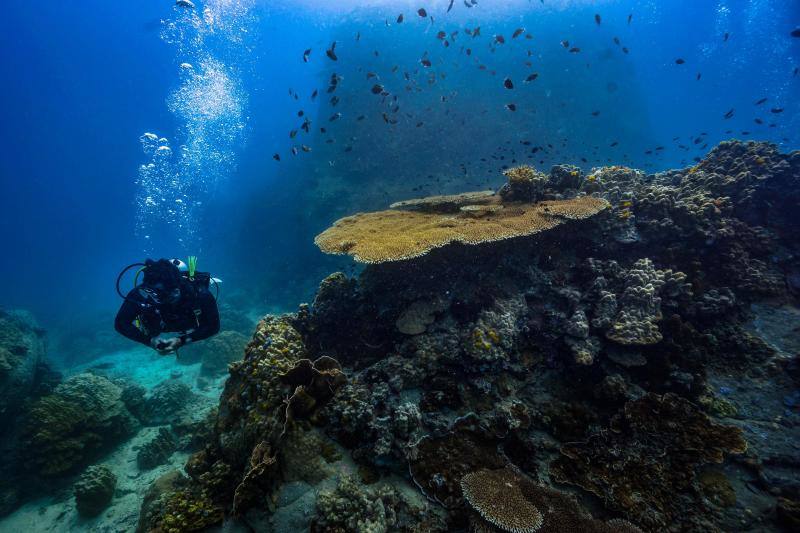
[396, 235]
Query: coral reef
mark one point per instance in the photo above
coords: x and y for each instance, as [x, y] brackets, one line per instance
[216, 353]
[157, 450]
[635, 359]
[22, 349]
[94, 490]
[645, 463]
[64, 430]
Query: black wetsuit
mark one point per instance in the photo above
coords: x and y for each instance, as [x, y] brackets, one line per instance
[194, 315]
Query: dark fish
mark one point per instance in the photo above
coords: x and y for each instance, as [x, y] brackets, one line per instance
[419, 124]
[441, 35]
[532, 77]
[361, 117]
[469, 51]
[630, 17]
[348, 149]
[335, 116]
[517, 33]
[625, 49]
[597, 18]
[574, 50]
[400, 18]
[377, 88]
[777, 110]
[331, 52]
[699, 74]
[293, 134]
[725, 37]
[422, 13]
[795, 33]
[450, 6]
[499, 39]
[565, 44]
[305, 148]
[306, 54]
[476, 32]
[614, 144]
[761, 101]
[425, 62]
[306, 126]
[728, 115]
[300, 113]
[511, 107]
[314, 94]
[334, 100]
[276, 157]
[758, 121]
[508, 84]
[294, 150]
[616, 41]
[680, 61]
[595, 113]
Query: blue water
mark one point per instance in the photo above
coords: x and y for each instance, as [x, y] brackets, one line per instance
[84, 81]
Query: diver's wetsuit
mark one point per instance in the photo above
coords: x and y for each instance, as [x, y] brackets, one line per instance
[195, 315]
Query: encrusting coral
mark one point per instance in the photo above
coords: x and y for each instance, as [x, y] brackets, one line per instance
[94, 490]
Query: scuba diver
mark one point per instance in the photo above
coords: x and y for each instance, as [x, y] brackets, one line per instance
[172, 298]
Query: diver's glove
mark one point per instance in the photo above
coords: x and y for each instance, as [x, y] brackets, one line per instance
[166, 346]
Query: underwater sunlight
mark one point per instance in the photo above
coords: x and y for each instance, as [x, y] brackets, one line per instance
[382, 266]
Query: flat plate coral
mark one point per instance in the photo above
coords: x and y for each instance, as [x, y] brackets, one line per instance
[396, 235]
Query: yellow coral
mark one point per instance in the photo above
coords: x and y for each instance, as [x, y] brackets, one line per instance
[393, 235]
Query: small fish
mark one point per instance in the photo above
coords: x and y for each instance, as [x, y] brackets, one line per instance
[419, 124]
[699, 75]
[305, 148]
[508, 84]
[776, 110]
[616, 41]
[597, 18]
[499, 39]
[517, 33]
[425, 62]
[301, 113]
[450, 6]
[532, 77]
[629, 18]
[614, 144]
[625, 49]
[294, 150]
[725, 37]
[314, 94]
[306, 54]
[276, 156]
[758, 121]
[574, 50]
[331, 52]
[335, 116]
[334, 100]
[511, 107]
[595, 113]
[761, 101]
[377, 88]
[795, 33]
[293, 134]
[680, 61]
[565, 44]
[728, 115]
[400, 18]
[422, 13]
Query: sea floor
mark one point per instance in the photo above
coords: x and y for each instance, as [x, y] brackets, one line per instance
[57, 512]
